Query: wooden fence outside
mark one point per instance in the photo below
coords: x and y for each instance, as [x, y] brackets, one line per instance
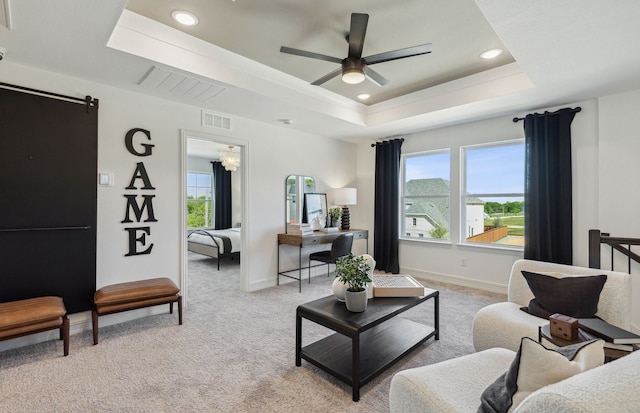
[491, 235]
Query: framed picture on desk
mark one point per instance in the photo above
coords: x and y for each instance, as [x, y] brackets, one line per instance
[315, 210]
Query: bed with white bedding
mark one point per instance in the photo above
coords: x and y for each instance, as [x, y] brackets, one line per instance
[215, 243]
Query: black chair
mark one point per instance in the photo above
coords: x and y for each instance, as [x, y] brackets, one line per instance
[340, 247]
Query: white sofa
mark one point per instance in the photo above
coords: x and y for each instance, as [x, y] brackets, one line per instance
[456, 386]
[504, 324]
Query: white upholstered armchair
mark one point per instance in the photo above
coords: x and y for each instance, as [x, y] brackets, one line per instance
[504, 324]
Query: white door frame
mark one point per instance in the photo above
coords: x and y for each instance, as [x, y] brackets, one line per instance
[244, 231]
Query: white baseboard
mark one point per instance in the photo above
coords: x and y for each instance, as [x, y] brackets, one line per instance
[320, 271]
[456, 280]
[81, 322]
[468, 282]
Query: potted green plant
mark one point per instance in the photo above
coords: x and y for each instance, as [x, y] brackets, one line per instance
[353, 271]
[335, 213]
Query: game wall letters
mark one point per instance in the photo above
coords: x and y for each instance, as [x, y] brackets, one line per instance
[140, 184]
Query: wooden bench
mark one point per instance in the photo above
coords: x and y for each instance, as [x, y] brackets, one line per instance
[134, 295]
[34, 315]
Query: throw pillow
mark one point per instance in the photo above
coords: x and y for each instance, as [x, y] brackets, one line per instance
[573, 296]
[536, 366]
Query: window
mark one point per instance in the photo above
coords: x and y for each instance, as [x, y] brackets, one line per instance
[425, 195]
[199, 200]
[493, 193]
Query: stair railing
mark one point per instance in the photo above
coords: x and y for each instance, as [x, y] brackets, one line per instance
[596, 238]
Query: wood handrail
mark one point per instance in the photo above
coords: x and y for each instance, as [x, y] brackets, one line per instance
[596, 238]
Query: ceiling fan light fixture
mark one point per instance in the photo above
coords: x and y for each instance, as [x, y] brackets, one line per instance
[184, 17]
[491, 53]
[353, 76]
[352, 71]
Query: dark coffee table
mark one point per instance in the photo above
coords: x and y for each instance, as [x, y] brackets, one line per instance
[365, 343]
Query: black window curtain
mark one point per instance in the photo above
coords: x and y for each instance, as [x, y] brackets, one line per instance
[386, 204]
[221, 196]
[548, 207]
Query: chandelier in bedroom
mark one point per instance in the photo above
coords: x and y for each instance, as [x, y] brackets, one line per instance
[230, 160]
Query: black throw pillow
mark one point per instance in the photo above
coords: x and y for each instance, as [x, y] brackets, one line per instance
[573, 296]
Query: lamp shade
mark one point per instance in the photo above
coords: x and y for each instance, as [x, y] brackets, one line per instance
[345, 196]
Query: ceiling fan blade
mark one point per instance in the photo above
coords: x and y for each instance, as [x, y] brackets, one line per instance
[375, 77]
[398, 54]
[327, 77]
[304, 53]
[356, 34]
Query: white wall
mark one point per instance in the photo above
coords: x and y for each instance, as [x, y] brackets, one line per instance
[271, 154]
[618, 172]
[605, 167]
[488, 268]
[605, 146]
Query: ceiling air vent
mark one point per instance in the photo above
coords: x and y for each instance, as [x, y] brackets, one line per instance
[174, 84]
[214, 120]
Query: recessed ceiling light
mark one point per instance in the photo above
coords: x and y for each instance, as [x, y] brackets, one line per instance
[364, 96]
[491, 53]
[184, 17]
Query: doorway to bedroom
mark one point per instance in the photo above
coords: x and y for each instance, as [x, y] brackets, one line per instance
[213, 211]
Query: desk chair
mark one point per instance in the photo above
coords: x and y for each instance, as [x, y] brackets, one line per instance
[340, 247]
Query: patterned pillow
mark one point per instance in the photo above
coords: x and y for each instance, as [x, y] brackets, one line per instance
[536, 366]
[573, 296]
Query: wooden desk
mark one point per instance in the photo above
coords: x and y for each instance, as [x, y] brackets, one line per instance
[317, 238]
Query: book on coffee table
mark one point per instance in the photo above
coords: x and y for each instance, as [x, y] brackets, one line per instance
[586, 336]
[396, 286]
[608, 332]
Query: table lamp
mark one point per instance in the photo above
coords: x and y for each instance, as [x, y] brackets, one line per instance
[344, 197]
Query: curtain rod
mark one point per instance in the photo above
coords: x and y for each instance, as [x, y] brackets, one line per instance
[373, 145]
[87, 100]
[576, 110]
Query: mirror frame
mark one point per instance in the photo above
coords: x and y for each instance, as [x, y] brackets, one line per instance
[315, 210]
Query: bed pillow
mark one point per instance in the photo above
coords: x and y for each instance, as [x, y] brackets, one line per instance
[576, 297]
[536, 366]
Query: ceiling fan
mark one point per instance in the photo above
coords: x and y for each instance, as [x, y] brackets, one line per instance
[354, 68]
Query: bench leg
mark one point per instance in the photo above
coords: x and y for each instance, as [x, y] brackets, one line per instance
[64, 333]
[179, 309]
[171, 307]
[94, 323]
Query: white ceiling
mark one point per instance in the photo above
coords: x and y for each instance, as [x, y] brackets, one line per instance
[257, 29]
[563, 52]
[199, 148]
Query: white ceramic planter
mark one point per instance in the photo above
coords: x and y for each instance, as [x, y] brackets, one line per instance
[356, 301]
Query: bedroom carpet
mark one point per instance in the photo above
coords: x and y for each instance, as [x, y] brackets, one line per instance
[234, 353]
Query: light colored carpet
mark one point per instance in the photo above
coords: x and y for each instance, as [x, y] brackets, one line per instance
[235, 352]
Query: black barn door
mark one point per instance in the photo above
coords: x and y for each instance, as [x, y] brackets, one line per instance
[48, 167]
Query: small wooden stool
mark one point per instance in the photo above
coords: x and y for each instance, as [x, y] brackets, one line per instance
[34, 315]
[134, 295]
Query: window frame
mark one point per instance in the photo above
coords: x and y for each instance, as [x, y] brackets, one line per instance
[464, 195]
[212, 200]
[404, 227]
